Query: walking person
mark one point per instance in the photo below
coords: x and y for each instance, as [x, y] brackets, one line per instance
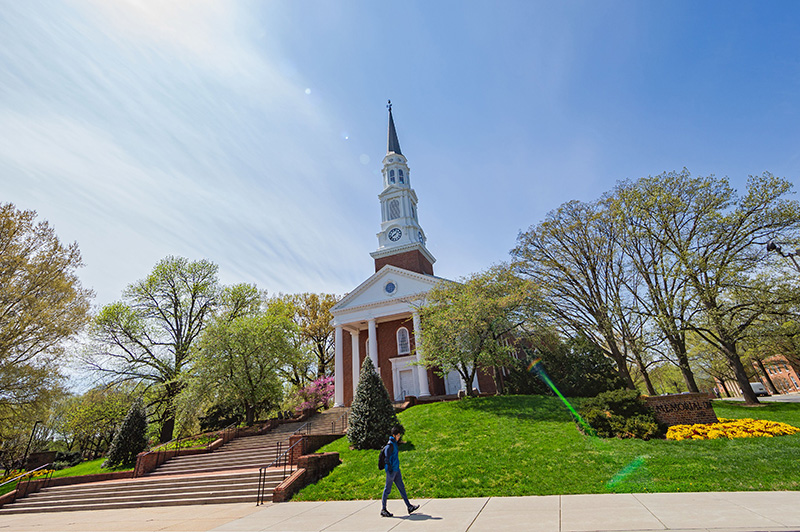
[393, 474]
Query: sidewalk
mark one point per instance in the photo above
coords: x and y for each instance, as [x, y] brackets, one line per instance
[728, 512]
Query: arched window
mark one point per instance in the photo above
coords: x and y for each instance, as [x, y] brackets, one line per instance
[400, 172]
[391, 176]
[394, 209]
[403, 345]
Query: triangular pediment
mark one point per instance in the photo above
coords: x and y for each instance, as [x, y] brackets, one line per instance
[388, 286]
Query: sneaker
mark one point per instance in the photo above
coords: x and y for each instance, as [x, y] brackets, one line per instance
[385, 513]
[413, 508]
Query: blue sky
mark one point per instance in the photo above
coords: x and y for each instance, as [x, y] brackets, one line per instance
[251, 133]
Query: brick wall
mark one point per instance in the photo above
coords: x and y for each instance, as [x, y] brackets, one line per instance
[682, 409]
[413, 261]
[310, 468]
[347, 367]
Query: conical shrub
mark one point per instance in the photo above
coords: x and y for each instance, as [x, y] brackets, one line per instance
[371, 414]
[131, 438]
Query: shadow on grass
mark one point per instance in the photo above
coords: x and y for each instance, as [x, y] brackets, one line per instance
[534, 407]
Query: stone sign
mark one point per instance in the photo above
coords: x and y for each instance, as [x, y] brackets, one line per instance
[682, 408]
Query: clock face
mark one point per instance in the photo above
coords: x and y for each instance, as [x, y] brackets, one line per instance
[419, 236]
[395, 234]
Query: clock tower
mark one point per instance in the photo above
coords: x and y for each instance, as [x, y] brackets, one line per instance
[401, 241]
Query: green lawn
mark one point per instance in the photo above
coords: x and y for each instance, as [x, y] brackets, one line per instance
[528, 445]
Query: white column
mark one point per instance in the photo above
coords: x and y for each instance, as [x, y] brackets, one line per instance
[422, 371]
[373, 343]
[356, 358]
[338, 375]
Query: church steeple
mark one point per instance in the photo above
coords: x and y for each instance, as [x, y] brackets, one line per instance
[401, 241]
[393, 145]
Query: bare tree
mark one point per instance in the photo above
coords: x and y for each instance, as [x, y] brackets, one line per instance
[578, 267]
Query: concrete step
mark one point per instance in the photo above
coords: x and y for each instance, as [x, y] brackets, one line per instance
[209, 469]
[147, 492]
[13, 509]
[231, 456]
[157, 485]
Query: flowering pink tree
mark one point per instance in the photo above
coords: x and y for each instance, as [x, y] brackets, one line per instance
[316, 395]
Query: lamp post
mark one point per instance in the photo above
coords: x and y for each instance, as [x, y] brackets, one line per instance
[25, 457]
[772, 246]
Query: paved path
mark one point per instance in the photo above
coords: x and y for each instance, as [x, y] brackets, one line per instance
[695, 512]
[782, 398]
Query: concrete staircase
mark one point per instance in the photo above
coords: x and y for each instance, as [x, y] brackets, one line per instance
[227, 475]
[228, 487]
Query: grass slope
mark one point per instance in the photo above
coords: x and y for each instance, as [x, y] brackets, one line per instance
[528, 445]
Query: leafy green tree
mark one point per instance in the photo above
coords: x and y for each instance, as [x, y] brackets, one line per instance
[716, 239]
[576, 366]
[372, 415]
[313, 340]
[469, 326]
[151, 336]
[91, 420]
[130, 440]
[42, 305]
[241, 352]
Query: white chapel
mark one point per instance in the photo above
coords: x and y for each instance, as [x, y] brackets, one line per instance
[378, 318]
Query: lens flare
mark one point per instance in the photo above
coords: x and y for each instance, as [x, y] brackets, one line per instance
[537, 367]
[626, 471]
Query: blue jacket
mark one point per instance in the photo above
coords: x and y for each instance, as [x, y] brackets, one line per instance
[392, 455]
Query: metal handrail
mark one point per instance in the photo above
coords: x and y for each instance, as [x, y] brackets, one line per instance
[28, 476]
[24, 474]
[262, 472]
[304, 426]
[343, 419]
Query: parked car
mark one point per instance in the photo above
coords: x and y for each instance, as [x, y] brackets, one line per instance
[759, 389]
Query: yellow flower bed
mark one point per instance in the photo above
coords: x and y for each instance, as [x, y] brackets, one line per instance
[730, 428]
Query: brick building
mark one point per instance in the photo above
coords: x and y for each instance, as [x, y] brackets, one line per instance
[378, 318]
[782, 373]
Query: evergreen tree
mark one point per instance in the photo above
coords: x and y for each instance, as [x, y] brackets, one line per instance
[372, 414]
[130, 440]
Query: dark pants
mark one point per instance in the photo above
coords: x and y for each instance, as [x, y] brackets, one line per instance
[396, 478]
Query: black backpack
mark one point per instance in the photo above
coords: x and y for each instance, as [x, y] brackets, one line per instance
[382, 459]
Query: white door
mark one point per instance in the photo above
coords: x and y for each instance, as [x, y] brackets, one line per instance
[407, 384]
[453, 383]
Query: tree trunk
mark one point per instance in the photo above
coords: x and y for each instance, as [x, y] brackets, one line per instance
[249, 414]
[678, 345]
[741, 375]
[499, 382]
[167, 429]
[643, 370]
[622, 365]
[688, 376]
[724, 388]
[770, 385]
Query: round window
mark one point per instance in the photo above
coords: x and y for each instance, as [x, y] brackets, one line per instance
[390, 287]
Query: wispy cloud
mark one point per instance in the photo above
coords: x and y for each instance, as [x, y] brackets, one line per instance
[159, 127]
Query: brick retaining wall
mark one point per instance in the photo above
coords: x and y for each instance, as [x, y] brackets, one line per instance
[311, 443]
[310, 468]
[682, 409]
